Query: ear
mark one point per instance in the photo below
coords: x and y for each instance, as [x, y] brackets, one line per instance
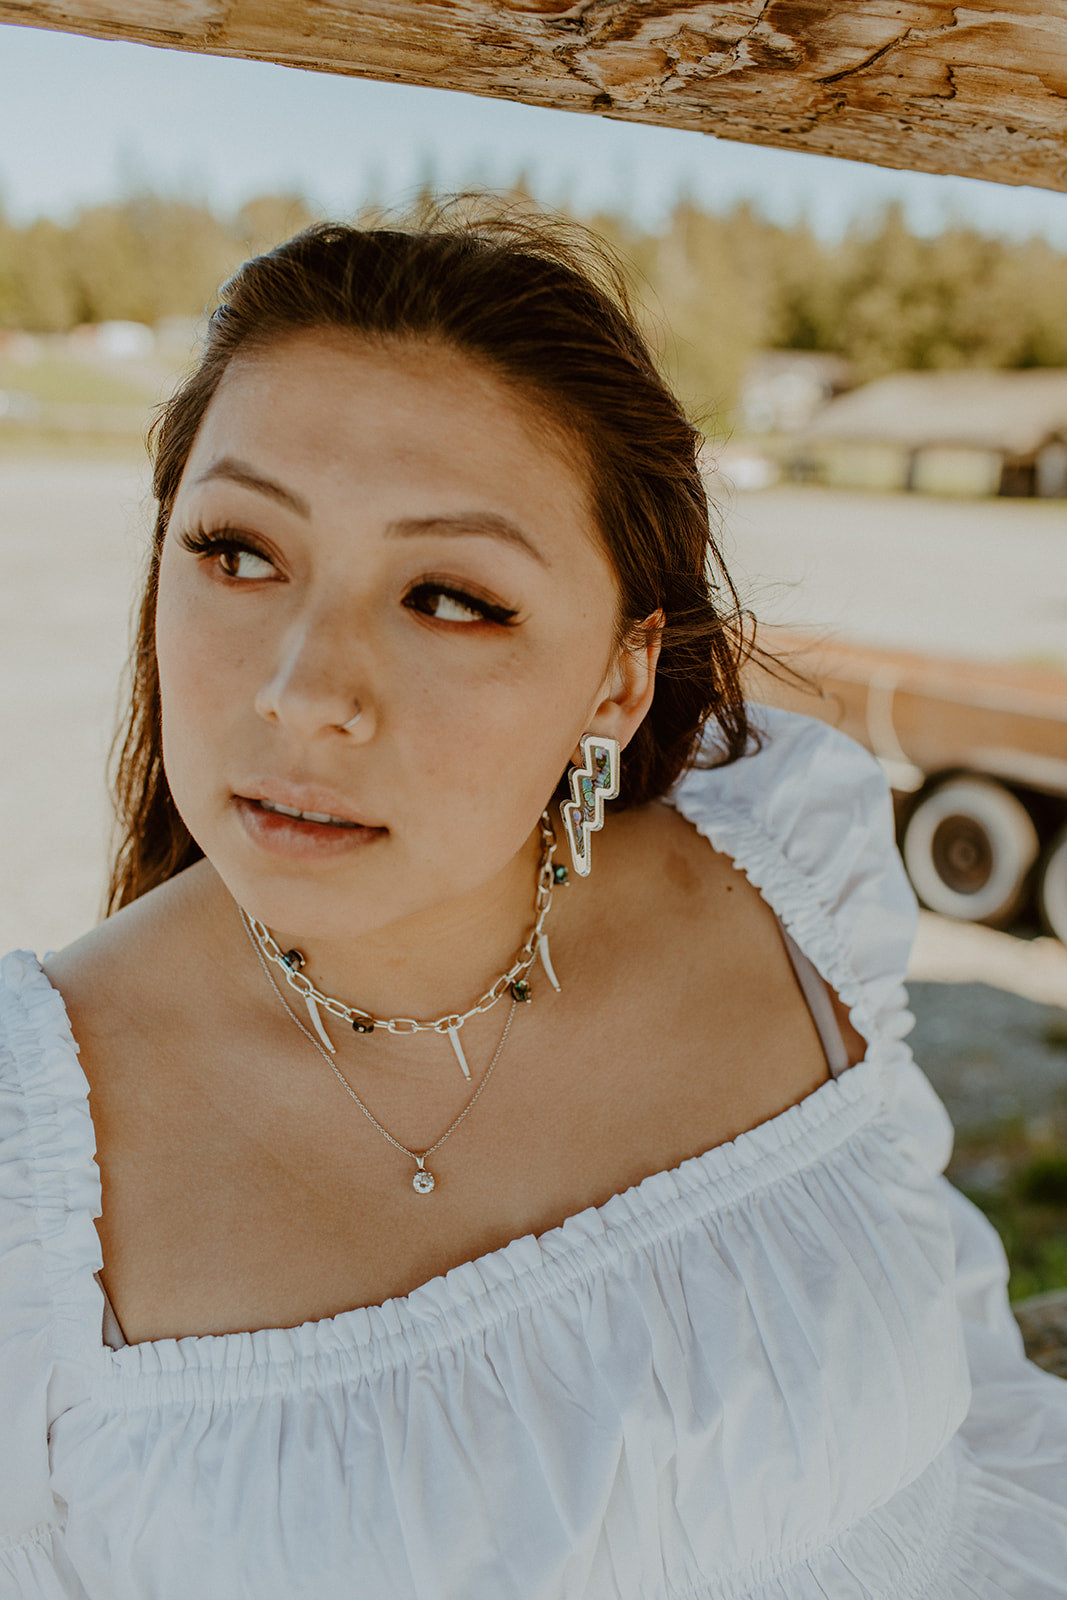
[628, 687]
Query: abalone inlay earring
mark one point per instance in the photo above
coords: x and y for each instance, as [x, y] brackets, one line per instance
[596, 780]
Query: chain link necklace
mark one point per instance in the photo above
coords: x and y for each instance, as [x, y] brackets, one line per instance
[515, 980]
[423, 1181]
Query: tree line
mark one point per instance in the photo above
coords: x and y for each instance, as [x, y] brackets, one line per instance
[713, 287]
[142, 259]
[884, 297]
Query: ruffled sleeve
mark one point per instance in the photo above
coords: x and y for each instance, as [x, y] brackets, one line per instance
[809, 817]
[49, 1302]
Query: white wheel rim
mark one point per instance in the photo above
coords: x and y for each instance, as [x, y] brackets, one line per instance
[1013, 846]
[1052, 891]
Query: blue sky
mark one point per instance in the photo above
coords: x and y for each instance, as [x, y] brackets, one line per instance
[83, 120]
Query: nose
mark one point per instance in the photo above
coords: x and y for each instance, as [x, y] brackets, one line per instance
[316, 686]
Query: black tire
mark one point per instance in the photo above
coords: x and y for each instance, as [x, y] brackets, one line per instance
[969, 846]
[1052, 887]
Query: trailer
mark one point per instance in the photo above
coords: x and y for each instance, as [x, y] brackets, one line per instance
[976, 756]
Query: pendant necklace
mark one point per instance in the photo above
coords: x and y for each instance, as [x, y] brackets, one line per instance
[423, 1181]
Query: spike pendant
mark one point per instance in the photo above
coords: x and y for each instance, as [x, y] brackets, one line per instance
[317, 1024]
[453, 1034]
[546, 962]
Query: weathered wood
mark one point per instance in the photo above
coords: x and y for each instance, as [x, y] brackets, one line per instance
[1043, 1321]
[979, 90]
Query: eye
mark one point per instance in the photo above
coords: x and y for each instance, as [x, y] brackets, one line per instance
[447, 604]
[237, 558]
[446, 608]
[236, 562]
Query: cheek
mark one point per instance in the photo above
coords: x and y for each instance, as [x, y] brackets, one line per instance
[199, 664]
[500, 740]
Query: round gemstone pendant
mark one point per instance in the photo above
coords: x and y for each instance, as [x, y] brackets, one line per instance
[423, 1181]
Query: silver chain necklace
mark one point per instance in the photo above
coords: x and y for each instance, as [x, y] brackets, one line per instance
[423, 1181]
[514, 980]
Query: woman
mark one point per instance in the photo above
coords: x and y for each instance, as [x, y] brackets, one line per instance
[496, 1199]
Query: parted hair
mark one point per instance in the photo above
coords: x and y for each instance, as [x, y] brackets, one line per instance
[545, 307]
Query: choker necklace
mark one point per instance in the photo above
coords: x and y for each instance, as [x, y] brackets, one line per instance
[515, 980]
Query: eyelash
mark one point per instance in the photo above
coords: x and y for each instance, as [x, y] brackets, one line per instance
[201, 541]
[502, 616]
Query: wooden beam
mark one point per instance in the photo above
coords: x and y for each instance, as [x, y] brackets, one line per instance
[979, 90]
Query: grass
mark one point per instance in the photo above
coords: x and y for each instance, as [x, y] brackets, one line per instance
[56, 381]
[109, 416]
[21, 441]
[1022, 1170]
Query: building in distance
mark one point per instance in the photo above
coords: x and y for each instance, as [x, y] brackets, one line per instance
[960, 433]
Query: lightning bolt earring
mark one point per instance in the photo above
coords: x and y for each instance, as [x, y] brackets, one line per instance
[595, 781]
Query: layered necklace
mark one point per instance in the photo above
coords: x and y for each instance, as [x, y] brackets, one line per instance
[515, 981]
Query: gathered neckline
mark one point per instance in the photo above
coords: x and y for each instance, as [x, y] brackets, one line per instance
[476, 1293]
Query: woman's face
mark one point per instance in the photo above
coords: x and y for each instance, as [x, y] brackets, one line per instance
[386, 528]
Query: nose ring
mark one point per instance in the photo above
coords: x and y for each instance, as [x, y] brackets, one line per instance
[346, 727]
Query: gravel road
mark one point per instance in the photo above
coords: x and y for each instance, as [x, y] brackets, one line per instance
[71, 543]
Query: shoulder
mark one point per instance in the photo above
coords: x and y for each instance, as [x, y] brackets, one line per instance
[36, 1044]
[798, 771]
[49, 1197]
[808, 817]
[46, 1132]
[116, 979]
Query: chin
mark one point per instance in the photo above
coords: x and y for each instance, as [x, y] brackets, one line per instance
[320, 904]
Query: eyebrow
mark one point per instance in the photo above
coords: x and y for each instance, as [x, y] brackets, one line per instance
[482, 524]
[240, 472]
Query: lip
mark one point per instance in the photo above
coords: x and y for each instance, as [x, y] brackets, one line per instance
[305, 797]
[300, 840]
[294, 837]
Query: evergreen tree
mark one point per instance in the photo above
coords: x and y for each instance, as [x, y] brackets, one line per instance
[713, 289]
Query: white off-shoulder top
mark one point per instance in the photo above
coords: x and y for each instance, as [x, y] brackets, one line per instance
[784, 1370]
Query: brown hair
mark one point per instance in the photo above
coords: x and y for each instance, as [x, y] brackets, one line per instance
[546, 307]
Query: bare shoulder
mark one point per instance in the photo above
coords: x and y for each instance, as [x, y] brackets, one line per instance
[680, 876]
[746, 929]
[720, 993]
[124, 968]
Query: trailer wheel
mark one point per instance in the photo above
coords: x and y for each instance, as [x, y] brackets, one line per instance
[1052, 887]
[968, 847]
